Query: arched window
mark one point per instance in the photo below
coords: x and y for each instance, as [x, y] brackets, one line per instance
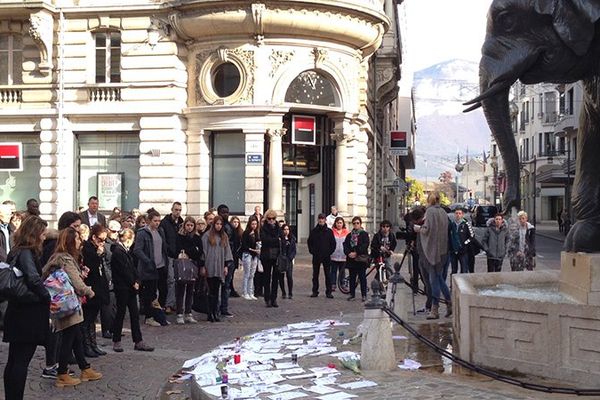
[312, 87]
[11, 60]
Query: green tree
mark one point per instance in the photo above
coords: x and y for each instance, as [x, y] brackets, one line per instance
[444, 200]
[416, 191]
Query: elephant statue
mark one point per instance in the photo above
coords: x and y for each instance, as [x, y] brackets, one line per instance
[555, 41]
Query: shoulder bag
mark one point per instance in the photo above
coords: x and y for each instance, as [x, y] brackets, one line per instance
[185, 269]
[12, 284]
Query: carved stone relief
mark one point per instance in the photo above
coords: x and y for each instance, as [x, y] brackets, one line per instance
[41, 30]
[279, 58]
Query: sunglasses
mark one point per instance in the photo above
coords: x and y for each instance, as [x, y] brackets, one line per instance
[271, 219]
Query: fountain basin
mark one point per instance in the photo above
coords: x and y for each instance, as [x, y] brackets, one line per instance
[525, 322]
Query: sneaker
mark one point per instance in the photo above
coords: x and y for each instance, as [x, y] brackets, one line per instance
[117, 347]
[166, 323]
[141, 346]
[180, 320]
[151, 322]
[246, 297]
[314, 294]
[364, 298]
[50, 373]
[189, 319]
[252, 297]
[226, 314]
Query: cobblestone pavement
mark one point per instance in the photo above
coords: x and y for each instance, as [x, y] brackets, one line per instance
[136, 375]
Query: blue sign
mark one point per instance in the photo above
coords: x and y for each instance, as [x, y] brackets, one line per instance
[254, 159]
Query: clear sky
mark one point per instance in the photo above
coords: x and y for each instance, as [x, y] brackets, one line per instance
[440, 30]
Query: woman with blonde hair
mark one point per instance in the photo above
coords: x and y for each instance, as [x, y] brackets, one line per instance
[270, 236]
[84, 231]
[67, 257]
[217, 260]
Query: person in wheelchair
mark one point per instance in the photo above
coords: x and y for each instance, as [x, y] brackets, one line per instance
[383, 246]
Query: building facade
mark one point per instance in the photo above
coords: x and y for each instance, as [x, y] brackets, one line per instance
[282, 104]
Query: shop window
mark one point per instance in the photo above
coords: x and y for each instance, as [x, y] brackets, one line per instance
[19, 186]
[108, 56]
[11, 59]
[314, 88]
[228, 171]
[225, 79]
[114, 157]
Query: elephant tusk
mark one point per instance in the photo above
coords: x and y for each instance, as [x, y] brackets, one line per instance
[472, 108]
[489, 92]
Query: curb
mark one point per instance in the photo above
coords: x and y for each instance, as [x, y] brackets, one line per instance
[548, 236]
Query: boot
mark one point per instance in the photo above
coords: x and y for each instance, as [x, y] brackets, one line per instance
[94, 342]
[63, 380]
[448, 310]
[87, 343]
[89, 374]
[435, 312]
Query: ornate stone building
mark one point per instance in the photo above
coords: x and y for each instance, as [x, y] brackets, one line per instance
[283, 104]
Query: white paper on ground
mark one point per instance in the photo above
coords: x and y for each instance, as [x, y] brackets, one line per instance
[292, 371]
[323, 370]
[302, 376]
[357, 385]
[321, 389]
[286, 365]
[344, 354]
[409, 364]
[399, 338]
[287, 396]
[214, 390]
[337, 396]
[325, 380]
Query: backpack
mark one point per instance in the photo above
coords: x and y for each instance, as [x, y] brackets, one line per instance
[63, 299]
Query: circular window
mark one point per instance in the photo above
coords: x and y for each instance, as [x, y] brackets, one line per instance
[225, 79]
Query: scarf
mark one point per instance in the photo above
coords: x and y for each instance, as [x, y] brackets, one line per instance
[354, 237]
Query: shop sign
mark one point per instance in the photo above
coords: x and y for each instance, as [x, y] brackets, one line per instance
[11, 156]
[254, 159]
[304, 130]
[398, 144]
[110, 190]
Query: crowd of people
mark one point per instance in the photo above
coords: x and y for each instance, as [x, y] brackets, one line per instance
[438, 243]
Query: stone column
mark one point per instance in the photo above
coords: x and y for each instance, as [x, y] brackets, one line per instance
[342, 135]
[377, 349]
[275, 169]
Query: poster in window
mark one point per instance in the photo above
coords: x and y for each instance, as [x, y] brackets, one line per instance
[11, 156]
[304, 130]
[110, 190]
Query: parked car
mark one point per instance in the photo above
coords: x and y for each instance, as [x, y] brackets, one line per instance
[481, 214]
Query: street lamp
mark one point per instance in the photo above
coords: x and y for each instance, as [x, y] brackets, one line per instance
[459, 168]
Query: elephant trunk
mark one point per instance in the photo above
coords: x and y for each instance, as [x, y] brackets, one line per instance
[497, 114]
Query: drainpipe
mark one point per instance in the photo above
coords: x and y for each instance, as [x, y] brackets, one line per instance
[375, 132]
[63, 173]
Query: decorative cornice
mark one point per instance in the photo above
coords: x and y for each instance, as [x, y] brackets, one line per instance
[258, 10]
[279, 58]
[41, 30]
[276, 134]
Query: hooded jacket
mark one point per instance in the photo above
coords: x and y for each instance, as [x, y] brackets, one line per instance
[338, 255]
[495, 240]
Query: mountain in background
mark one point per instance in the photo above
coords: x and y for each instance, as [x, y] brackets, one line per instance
[442, 128]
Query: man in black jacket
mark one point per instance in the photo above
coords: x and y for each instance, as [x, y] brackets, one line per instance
[321, 244]
[170, 225]
[461, 236]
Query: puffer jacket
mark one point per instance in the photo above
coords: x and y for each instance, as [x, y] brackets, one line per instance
[495, 240]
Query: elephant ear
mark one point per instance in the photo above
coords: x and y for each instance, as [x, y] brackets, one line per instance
[574, 21]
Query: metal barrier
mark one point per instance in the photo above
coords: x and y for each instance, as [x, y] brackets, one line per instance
[470, 366]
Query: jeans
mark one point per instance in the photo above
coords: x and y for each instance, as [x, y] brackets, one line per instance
[163, 286]
[15, 371]
[169, 300]
[147, 296]
[359, 270]
[463, 259]
[72, 343]
[316, 265]
[438, 283]
[494, 265]
[127, 299]
[249, 263]
[290, 280]
[335, 268]
[270, 280]
[226, 289]
[184, 289]
[52, 347]
[427, 283]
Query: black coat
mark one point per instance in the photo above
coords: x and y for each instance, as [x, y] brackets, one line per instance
[3, 240]
[288, 246]
[171, 229]
[97, 276]
[124, 271]
[143, 250]
[376, 244]
[192, 245]
[361, 248]
[28, 322]
[269, 236]
[249, 242]
[321, 243]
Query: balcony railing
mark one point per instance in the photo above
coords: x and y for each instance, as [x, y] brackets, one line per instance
[110, 93]
[11, 96]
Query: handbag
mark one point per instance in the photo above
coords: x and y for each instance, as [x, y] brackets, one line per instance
[200, 303]
[64, 302]
[362, 258]
[270, 253]
[185, 269]
[12, 284]
[283, 263]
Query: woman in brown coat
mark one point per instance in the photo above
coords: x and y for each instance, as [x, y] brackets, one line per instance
[66, 257]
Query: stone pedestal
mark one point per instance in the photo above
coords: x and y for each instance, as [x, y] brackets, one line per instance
[377, 350]
[580, 277]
